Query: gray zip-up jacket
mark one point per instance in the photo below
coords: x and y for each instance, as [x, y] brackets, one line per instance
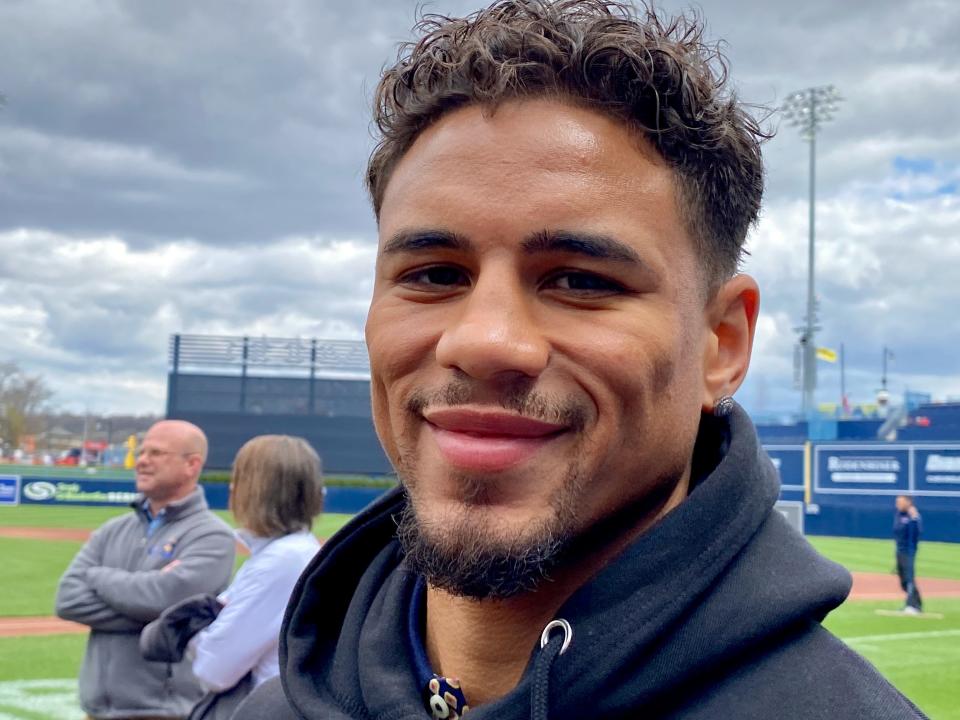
[122, 579]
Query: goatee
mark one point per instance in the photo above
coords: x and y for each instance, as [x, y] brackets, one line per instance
[467, 559]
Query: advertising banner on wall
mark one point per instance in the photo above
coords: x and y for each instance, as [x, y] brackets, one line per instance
[862, 469]
[9, 489]
[80, 491]
[788, 460]
[936, 468]
[49, 491]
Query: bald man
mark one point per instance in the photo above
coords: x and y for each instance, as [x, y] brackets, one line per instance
[134, 566]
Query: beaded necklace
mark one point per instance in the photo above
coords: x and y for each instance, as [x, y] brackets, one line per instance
[442, 696]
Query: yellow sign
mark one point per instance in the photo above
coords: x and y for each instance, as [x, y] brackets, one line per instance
[131, 458]
[827, 354]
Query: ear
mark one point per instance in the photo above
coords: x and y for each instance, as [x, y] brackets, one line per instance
[195, 463]
[732, 316]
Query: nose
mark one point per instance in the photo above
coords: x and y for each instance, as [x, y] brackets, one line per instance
[495, 332]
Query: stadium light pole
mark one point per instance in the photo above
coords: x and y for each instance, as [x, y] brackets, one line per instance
[807, 110]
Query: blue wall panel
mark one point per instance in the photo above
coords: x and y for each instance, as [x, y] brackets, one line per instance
[853, 487]
[84, 491]
[852, 490]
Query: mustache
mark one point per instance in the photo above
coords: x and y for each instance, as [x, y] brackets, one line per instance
[519, 397]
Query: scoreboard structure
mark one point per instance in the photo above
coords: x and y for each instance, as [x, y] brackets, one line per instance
[238, 387]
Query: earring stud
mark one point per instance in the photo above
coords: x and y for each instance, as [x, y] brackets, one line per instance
[723, 406]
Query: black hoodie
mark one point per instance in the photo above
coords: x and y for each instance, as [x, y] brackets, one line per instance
[713, 613]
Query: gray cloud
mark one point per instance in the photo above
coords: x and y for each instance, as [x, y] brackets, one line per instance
[197, 167]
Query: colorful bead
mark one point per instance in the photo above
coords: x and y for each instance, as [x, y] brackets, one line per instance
[444, 698]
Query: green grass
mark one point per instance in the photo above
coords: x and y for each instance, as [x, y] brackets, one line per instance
[42, 656]
[328, 523]
[67, 471]
[920, 656]
[38, 677]
[934, 559]
[37, 674]
[925, 667]
[56, 516]
[31, 569]
[30, 573]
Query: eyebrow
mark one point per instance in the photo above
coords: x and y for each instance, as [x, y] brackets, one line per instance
[413, 240]
[592, 245]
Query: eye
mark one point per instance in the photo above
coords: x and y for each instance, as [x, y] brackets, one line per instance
[583, 283]
[436, 277]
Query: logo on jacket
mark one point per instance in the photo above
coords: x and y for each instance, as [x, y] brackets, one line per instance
[166, 550]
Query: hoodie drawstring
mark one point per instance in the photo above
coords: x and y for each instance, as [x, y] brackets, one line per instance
[550, 649]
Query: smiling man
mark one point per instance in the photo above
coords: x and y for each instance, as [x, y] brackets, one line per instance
[137, 565]
[585, 526]
[518, 357]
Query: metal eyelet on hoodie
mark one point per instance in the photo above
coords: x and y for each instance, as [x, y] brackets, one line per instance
[550, 649]
[553, 625]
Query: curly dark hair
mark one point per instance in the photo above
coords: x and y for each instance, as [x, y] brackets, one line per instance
[656, 75]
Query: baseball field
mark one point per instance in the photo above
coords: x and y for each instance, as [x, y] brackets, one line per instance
[40, 657]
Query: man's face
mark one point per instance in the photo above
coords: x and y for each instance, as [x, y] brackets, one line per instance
[537, 329]
[165, 462]
[903, 503]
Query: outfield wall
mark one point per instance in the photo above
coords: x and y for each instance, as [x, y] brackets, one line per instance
[82, 491]
[848, 489]
[842, 489]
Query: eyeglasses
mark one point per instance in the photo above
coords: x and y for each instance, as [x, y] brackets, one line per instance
[156, 453]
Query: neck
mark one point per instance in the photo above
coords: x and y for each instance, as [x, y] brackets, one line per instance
[486, 644]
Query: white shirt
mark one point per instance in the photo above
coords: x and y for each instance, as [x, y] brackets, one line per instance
[246, 634]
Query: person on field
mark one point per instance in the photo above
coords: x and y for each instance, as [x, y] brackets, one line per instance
[276, 492]
[134, 567]
[906, 535]
[585, 526]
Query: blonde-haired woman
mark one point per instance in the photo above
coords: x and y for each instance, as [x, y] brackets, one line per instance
[276, 491]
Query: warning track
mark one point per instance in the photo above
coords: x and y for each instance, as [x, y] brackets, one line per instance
[45, 533]
[14, 626]
[879, 586]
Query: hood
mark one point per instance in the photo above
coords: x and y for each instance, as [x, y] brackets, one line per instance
[720, 576]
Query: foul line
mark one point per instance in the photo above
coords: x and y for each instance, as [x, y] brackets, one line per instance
[902, 636]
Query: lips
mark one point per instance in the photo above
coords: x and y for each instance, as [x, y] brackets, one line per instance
[488, 440]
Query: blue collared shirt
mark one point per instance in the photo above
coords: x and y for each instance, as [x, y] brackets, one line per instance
[154, 522]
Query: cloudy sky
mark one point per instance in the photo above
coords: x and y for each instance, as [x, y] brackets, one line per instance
[196, 168]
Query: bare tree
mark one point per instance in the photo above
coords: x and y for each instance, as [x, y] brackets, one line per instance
[22, 399]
